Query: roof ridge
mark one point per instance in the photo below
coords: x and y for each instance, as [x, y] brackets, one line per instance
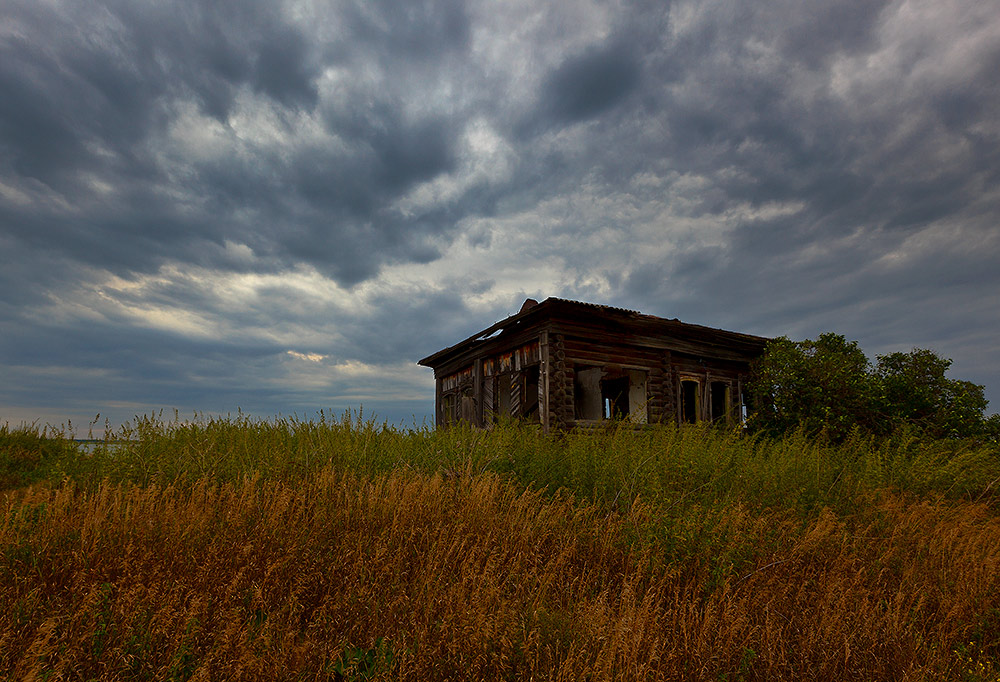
[594, 305]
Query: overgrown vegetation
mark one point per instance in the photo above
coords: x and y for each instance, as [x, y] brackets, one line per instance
[336, 549]
[828, 386]
[28, 453]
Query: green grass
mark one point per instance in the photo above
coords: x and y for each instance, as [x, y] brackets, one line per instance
[670, 468]
[30, 454]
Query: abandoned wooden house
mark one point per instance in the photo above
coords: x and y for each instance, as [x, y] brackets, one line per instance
[564, 363]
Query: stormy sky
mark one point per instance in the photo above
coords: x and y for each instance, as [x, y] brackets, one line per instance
[278, 207]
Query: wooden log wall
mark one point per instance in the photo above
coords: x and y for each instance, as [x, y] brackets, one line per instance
[661, 386]
[589, 352]
[668, 392]
[658, 391]
[471, 392]
[560, 385]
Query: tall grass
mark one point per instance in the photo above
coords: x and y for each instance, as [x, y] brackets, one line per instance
[28, 453]
[341, 548]
[612, 466]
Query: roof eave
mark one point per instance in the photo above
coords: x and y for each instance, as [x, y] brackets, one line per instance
[438, 358]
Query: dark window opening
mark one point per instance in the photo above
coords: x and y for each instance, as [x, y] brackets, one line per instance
[529, 393]
[448, 408]
[690, 399]
[503, 395]
[610, 393]
[467, 408]
[614, 398]
[746, 400]
[719, 391]
[587, 393]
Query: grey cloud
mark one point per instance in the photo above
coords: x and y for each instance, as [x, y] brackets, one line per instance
[210, 49]
[389, 156]
[812, 34]
[422, 29]
[612, 144]
[282, 69]
[103, 74]
[75, 102]
[589, 84]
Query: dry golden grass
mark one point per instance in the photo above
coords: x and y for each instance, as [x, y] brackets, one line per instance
[415, 576]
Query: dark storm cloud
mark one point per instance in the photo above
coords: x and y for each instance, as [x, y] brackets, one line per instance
[98, 80]
[773, 118]
[226, 203]
[94, 100]
[388, 156]
[587, 85]
[282, 69]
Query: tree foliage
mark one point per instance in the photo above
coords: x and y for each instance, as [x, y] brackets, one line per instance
[914, 389]
[829, 386]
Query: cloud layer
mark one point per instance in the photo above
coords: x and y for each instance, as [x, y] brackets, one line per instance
[280, 206]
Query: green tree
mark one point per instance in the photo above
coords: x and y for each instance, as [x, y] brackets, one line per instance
[915, 390]
[823, 385]
[829, 386]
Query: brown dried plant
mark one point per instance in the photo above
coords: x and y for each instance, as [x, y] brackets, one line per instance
[415, 576]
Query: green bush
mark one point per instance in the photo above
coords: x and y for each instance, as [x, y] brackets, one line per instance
[28, 454]
[828, 386]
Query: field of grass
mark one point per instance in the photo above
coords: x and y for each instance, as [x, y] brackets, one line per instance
[342, 549]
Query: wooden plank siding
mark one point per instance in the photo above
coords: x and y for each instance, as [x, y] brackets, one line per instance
[634, 364]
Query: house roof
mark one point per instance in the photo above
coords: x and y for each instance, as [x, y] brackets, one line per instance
[633, 321]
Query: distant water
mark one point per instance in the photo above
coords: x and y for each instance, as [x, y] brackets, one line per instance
[89, 445]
